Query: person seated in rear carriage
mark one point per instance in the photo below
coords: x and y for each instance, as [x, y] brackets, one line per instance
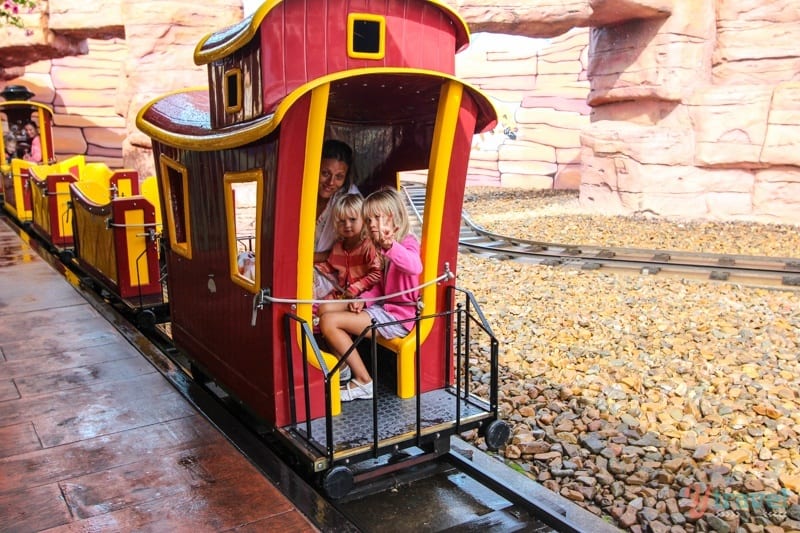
[387, 221]
[34, 152]
[10, 144]
[335, 179]
[353, 265]
[246, 264]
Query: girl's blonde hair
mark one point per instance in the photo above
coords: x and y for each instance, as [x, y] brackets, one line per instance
[388, 201]
[347, 204]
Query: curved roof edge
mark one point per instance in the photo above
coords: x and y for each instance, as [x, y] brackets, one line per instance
[26, 103]
[243, 134]
[222, 43]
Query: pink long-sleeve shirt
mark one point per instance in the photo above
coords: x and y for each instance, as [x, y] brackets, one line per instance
[401, 272]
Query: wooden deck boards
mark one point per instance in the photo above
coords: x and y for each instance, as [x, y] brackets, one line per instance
[93, 438]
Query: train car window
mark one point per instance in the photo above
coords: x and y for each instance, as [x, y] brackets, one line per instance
[366, 36]
[243, 195]
[232, 89]
[176, 189]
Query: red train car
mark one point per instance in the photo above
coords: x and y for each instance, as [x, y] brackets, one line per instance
[238, 165]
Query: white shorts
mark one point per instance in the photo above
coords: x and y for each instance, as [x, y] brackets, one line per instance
[379, 314]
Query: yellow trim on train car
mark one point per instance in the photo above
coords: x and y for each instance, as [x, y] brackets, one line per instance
[75, 165]
[18, 209]
[315, 133]
[438, 175]
[252, 131]
[64, 211]
[183, 248]
[352, 19]
[40, 212]
[247, 28]
[93, 191]
[149, 189]
[136, 244]
[230, 178]
[124, 185]
[98, 173]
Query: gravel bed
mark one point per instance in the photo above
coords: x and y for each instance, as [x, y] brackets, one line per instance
[660, 403]
[556, 217]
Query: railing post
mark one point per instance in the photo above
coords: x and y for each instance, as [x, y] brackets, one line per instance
[460, 365]
[374, 355]
[417, 375]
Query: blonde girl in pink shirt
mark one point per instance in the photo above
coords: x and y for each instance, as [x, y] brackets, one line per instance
[387, 221]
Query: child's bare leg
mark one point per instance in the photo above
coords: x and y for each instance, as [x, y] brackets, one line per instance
[331, 306]
[337, 328]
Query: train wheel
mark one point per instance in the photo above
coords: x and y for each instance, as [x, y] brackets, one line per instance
[146, 319]
[496, 434]
[88, 283]
[198, 375]
[66, 256]
[337, 482]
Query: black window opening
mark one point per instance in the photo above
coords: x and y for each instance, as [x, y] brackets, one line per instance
[366, 36]
[233, 90]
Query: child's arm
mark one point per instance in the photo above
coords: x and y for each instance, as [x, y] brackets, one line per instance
[405, 255]
[373, 275]
[324, 267]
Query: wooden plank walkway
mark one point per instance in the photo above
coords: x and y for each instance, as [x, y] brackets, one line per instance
[94, 438]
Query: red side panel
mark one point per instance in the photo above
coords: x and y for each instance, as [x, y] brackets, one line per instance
[127, 283]
[433, 369]
[46, 215]
[287, 199]
[303, 41]
[131, 175]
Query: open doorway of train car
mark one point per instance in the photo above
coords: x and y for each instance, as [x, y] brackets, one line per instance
[395, 122]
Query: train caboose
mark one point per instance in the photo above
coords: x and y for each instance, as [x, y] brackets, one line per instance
[238, 165]
[15, 113]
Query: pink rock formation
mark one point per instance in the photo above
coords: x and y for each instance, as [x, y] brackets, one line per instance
[693, 102]
[96, 63]
[34, 42]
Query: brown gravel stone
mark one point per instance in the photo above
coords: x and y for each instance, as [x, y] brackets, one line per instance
[688, 387]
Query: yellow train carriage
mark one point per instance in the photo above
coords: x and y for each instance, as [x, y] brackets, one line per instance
[50, 197]
[116, 241]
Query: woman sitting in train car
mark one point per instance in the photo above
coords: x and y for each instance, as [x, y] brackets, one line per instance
[34, 152]
[387, 221]
[335, 179]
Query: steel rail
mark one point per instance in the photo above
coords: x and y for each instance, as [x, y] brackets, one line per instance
[734, 268]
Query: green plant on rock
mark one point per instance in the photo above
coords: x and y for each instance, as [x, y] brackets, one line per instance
[10, 11]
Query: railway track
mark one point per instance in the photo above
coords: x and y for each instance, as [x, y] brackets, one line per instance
[742, 269]
[462, 489]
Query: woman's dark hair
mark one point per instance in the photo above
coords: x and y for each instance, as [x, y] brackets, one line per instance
[338, 150]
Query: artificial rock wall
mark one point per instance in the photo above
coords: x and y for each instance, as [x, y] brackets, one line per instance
[695, 103]
[680, 108]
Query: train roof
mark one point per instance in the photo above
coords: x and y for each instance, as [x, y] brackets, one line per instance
[219, 44]
[26, 103]
[181, 119]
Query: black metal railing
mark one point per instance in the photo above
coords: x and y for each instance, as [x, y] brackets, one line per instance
[461, 322]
